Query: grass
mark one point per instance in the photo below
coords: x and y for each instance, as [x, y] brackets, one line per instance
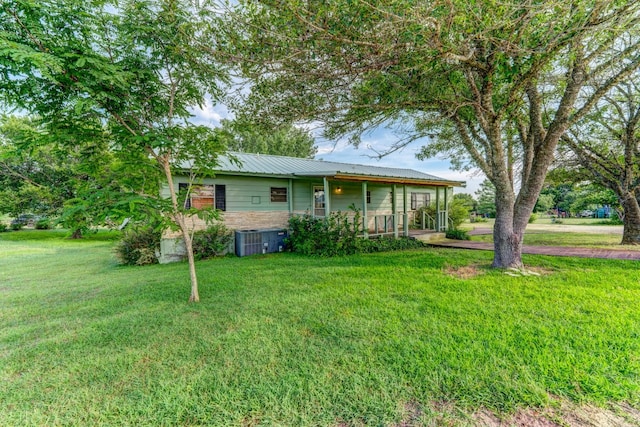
[289, 340]
[587, 240]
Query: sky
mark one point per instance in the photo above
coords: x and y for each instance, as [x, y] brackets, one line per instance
[341, 151]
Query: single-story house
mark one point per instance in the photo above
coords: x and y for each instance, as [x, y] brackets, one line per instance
[257, 191]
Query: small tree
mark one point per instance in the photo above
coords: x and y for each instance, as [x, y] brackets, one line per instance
[136, 65]
[486, 199]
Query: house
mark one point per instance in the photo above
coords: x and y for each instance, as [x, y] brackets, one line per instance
[256, 191]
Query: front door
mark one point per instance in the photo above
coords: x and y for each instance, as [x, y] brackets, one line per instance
[318, 201]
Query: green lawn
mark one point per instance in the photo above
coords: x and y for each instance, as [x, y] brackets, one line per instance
[587, 240]
[289, 340]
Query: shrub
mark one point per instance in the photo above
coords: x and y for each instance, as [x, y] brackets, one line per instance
[138, 247]
[533, 218]
[3, 227]
[213, 241]
[42, 224]
[15, 226]
[457, 234]
[331, 236]
[387, 244]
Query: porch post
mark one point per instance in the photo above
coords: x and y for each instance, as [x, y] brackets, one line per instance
[290, 196]
[437, 209]
[446, 208]
[405, 217]
[327, 197]
[365, 220]
[394, 208]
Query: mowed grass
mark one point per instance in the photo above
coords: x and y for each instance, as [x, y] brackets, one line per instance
[558, 238]
[289, 340]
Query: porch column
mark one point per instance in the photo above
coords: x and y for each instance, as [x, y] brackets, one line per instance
[437, 209]
[365, 220]
[290, 196]
[446, 208]
[327, 197]
[405, 217]
[394, 208]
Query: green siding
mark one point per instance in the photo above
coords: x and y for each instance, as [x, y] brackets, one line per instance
[243, 194]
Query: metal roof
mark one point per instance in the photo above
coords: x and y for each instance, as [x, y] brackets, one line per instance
[269, 165]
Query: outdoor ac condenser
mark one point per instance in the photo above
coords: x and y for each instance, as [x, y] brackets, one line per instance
[251, 242]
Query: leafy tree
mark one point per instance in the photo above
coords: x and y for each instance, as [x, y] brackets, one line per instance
[458, 212]
[32, 179]
[592, 196]
[561, 190]
[486, 198]
[137, 66]
[544, 204]
[476, 76]
[41, 175]
[605, 145]
[285, 141]
[467, 201]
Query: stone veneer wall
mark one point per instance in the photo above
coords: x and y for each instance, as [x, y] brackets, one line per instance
[240, 221]
[172, 247]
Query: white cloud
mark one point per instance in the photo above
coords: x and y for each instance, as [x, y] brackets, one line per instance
[209, 114]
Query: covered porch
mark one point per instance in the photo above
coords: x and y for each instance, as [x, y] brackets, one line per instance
[388, 205]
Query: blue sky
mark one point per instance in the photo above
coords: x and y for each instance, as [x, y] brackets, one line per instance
[377, 140]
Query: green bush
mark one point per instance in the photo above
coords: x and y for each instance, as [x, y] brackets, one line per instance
[15, 226]
[457, 234]
[533, 218]
[339, 235]
[138, 247]
[387, 244]
[3, 227]
[42, 224]
[330, 236]
[458, 212]
[213, 241]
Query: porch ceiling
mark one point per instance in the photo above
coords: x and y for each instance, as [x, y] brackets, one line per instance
[385, 179]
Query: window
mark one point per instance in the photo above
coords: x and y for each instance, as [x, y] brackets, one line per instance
[221, 197]
[318, 201]
[419, 200]
[278, 194]
[368, 196]
[204, 196]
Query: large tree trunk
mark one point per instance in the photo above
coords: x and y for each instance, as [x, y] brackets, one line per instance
[507, 234]
[631, 231]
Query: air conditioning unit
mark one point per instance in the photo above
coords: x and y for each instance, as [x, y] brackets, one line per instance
[251, 242]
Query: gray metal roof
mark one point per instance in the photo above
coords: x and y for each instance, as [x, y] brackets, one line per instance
[268, 165]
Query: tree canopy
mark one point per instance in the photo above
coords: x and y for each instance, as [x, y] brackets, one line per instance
[136, 66]
[474, 77]
[287, 140]
[605, 146]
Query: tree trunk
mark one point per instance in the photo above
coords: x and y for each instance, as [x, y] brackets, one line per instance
[188, 243]
[178, 217]
[77, 234]
[507, 239]
[631, 231]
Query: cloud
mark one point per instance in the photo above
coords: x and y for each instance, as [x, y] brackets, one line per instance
[209, 114]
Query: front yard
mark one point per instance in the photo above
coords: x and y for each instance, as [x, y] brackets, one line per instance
[416, 337]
